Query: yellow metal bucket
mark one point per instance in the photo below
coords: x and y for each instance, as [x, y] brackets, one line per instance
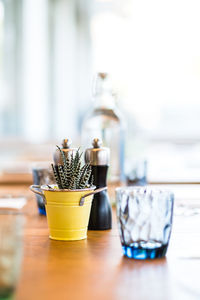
[67, 216]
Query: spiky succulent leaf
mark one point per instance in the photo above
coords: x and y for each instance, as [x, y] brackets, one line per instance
[70, 175]
[65, 162]
[85, 175]
[82, 173]
[56, 176]
[91, 181]
[77, 159]
[62, 177]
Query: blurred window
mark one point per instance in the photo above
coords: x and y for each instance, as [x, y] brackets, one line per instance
[48, 49]
[9, 74]
[153, 50]
[44, 68]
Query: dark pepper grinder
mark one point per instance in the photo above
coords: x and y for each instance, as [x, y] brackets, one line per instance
[98, 157]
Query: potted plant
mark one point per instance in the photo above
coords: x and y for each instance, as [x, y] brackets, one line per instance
[68, 202]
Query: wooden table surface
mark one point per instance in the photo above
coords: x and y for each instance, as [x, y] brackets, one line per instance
[96, 269]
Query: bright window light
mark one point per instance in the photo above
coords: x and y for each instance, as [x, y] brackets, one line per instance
[153, 51]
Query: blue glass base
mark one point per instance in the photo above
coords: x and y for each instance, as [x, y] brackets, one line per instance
[144, 253]
[42, 211]
[40, 205]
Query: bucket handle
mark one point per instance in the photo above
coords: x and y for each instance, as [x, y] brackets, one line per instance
[92, 193]
[34, 188]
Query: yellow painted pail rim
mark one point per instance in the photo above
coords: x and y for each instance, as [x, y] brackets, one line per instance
[37, 189]
[54, 188]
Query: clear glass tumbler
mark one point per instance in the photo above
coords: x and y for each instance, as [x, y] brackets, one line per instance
[11, 246]
[144, 218]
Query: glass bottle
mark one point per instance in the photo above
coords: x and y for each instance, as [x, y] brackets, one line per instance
[105, 122]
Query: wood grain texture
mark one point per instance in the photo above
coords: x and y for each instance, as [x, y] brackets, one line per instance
[96, 269]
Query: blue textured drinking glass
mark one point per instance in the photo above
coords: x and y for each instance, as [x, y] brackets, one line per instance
[42, 175]
[144, 217]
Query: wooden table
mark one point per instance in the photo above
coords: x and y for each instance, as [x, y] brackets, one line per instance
[96, 269]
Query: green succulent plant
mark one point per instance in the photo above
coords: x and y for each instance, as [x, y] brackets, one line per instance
[71, 174]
